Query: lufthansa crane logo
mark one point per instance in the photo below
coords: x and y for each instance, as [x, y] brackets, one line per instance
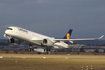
[68, 36]
[35, 46]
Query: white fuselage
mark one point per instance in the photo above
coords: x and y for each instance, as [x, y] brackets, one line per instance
[29, 36]
[39, 50]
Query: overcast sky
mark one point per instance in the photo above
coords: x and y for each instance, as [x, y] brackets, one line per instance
[55, 17]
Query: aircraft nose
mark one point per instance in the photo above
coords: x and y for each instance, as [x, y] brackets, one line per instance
[6, 32]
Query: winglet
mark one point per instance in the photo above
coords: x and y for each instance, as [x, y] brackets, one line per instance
[101, 37]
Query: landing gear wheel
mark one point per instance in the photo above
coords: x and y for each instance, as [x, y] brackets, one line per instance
[30, 49]
[48, 50]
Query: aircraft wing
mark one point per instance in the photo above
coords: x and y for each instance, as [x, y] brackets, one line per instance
[37, 40]
[71, 40]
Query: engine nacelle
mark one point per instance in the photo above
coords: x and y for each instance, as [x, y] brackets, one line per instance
[47, 42]
[14, 42]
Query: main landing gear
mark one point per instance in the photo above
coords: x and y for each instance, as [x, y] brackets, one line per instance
[48, 50]
[30, 49]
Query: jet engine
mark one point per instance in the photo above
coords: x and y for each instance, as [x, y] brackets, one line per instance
[47, 42]
[14, 41]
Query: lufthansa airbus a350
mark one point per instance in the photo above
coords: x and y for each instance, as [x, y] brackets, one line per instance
[37, 39]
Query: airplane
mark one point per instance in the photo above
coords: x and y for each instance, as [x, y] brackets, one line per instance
[40, 50]
[37, 39]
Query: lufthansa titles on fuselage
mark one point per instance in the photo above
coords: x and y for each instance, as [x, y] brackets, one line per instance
[23, 30]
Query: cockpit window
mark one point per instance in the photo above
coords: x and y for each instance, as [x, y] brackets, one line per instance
[9, 29]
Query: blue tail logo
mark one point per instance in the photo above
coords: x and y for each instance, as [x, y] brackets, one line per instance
[35, 46]
[68, 35]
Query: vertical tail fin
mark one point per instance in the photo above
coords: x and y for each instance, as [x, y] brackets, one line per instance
[68, 35]
[35, 46]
